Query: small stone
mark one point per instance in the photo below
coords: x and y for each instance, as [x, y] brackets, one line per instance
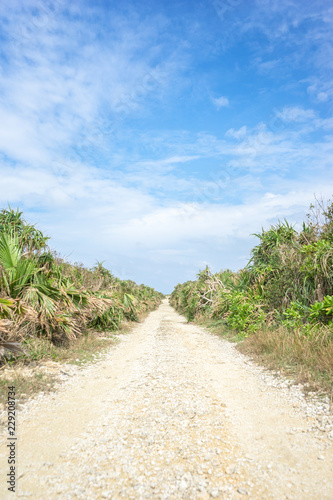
[230, 470]
[182, 485]
[214, 493]
[321, 457]
[202, 496]
[242, 491]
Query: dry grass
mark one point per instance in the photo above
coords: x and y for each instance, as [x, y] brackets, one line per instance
[26, 383]
[308, 359]
[37, 370]
[305, 359]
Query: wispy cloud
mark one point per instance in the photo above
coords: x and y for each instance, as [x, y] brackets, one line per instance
[50, 99]
[237, 134]
[296, 114]
[110, 139]
[221, 102]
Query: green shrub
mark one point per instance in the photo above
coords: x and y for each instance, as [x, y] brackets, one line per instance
[322, 311]
[246, 314]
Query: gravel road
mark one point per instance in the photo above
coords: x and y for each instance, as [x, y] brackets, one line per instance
[172, 412]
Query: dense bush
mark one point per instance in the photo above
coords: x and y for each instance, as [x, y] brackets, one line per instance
[288, 281]
[43, 295]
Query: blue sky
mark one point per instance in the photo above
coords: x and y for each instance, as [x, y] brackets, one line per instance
[159, 135]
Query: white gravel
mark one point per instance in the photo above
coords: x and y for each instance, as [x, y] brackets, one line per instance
[173, 412]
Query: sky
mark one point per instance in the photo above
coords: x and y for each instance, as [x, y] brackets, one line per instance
[159, 135]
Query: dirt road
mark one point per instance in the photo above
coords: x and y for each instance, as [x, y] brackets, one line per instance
[172, 412]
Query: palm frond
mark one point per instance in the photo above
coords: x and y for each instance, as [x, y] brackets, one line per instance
[10, 253]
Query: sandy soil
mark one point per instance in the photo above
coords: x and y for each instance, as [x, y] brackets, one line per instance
[171, 412]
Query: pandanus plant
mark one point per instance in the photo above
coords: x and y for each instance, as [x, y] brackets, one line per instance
[31, 240]
[46, 304]
[40, 294]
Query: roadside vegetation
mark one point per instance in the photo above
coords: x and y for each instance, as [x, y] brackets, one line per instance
[280, 306]
[51, 309]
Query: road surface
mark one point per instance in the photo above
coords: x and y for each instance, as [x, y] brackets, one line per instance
[171, 412]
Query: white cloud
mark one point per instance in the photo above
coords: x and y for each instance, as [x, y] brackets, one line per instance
[296, 114]
[157, 199]
[64, 94]
[237, 134]
[92, 213]
[221, 102]
[321, 89]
